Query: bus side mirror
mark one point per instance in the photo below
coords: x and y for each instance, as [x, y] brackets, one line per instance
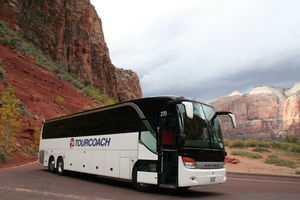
[230, 114]
[188, 109]
[232, 117]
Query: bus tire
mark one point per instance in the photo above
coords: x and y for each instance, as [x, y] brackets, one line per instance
[60, 166]
[51, 165]
[141, 187]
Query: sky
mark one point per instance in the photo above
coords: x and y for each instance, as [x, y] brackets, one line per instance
[204, 49]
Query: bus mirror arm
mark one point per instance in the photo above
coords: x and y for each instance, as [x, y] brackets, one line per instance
[181, 139]
[230, 114]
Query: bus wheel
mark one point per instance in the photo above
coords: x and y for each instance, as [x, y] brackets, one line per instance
[60, 166]
[141, 187]
[51, 165]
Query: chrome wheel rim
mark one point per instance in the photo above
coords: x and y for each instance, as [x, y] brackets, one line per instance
[52, 165]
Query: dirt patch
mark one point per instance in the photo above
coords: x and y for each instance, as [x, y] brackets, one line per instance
[257, 166]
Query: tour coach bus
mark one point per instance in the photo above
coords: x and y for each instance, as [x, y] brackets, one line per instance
[153, 141]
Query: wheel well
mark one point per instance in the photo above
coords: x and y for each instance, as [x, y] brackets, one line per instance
[51, 157]
[58, 159]
[136, 164]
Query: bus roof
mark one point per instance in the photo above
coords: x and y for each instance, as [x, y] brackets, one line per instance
[171, 98]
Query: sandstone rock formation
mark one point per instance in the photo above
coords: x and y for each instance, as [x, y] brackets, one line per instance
[129, 84]
[71, 33]
[266, 112]
[43, 95]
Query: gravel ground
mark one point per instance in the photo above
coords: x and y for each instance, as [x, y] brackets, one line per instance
[257, 166]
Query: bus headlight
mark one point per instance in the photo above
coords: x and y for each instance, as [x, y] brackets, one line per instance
[189, 163]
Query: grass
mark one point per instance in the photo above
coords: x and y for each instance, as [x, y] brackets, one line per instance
[260, 149]
[246, 154]
[273, 159]
[236, 143]
[285, 146]
[59, 99]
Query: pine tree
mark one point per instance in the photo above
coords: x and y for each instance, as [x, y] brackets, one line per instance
[9, 120]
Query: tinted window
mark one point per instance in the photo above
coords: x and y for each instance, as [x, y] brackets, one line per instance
[117, 120]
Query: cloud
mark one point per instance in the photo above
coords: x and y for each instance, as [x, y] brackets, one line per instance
[204, 48]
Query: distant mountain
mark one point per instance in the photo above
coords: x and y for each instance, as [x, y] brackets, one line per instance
[266, 112]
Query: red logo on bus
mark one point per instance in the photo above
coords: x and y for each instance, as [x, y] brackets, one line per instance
[72, 143]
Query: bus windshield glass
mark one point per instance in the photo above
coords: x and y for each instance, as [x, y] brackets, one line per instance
[203, 131]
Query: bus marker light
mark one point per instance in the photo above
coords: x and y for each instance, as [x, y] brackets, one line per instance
[189, 163]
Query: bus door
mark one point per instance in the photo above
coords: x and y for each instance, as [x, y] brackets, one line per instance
[169, 154]
[148, 155]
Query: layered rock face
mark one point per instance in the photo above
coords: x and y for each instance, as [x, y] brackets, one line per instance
[71, 33]
[130, 84]
[43, 95]
[266, 112]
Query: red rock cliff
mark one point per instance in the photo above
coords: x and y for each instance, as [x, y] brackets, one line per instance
[71, 32]
[266, 112]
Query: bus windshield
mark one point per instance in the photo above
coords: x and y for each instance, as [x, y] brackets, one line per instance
[203, 131]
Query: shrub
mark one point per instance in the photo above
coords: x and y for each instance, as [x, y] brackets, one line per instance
[2, 72]
[294, 148]
[260, 149]
[265, 144]
[24, 49]
[275, 144]
[252, 143]
[2, 31]
[293, 139]
[109, 101]
[77, 84]
[273, 159]
[106, 100]
[3, 156]
[246, 154]
[284, 146]
[90, 91]
[6, 40]
[22, 109]
[59, 99]
[60, 77]
[15, 42]
[2, 28]
[226, 142]
[237, 143]
[97, 102]
[87, 107]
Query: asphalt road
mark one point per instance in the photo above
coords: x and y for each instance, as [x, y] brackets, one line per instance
[35, 182]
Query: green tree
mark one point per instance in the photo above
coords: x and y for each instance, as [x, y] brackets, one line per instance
[9, 120]
[293, 139]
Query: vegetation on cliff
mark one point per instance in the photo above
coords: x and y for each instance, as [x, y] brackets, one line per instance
[70, 33]
[15, 40]
[9, 122]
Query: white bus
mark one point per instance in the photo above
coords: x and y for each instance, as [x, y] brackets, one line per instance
[153, 141]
